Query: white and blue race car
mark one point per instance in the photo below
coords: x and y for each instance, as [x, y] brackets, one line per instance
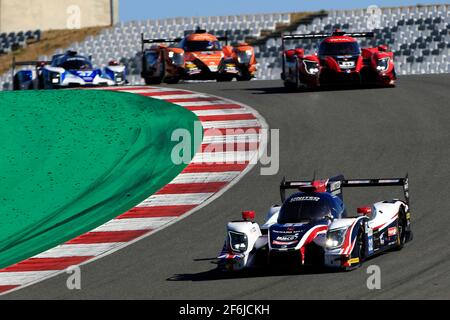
[312, 227]
[66, 70]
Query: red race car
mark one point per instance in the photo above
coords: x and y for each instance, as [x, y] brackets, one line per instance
[197, 56]
[339, 60]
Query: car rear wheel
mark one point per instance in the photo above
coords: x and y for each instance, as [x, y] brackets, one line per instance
[41, 82]
[293, 85]
[150, 81]
[16, 83]
[173, 80]
[225, 78]
[289, 85]
[245, 76]
[315, 255]
[401, 229]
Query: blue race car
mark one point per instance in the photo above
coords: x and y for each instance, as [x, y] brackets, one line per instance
[66, 70]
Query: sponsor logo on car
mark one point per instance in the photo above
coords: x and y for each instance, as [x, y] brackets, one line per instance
[287, 231]
[288, 238]
[305, 198]
[346, 64]
[392, 231]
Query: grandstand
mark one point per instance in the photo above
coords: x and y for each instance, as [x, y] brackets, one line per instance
[419, 37]
[13, 41]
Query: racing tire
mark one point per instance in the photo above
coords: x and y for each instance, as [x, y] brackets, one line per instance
[289, 85]
[159, 79]
[41, 84]
[401, 230]
[244, 79]
[16, 83]
[245, 76]
[150, 81]
[293, 85]
[225, 79]
[172, 80]
[395, 79]
[315, 256]
[359, 251]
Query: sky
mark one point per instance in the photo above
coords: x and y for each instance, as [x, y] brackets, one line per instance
[157, 9]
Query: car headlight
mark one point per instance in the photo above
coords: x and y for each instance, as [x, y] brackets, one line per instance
[311, 67]
[244, 57]
[54, 77]
[335, 238]
[176, 58]
[119, 76]
[238, 241]
[383, 64]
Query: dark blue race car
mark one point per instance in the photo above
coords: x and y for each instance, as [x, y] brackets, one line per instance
[312, 227]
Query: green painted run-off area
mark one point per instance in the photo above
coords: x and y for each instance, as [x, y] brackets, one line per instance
[73, 160]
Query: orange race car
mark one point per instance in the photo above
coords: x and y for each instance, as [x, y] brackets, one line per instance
[197, 56]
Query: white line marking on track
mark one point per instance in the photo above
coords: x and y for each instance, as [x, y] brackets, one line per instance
[238, 157]
[134, 224]
[200, 103]
[206, 177]
[71, 250]
[149, 90]
[180, 96]
[121, 89]
[230, 124]
[232, 138]
[175, 199]
[25, 277]
[220, 112]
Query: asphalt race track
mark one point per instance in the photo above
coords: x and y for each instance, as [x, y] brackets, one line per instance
[360, 133]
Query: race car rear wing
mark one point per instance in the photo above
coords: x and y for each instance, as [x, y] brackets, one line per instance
[332, 185]
[145, 41]
[223, 38]
[198, 30]
[336, 184]
[293, 36]
[34, 63]
[388, 182]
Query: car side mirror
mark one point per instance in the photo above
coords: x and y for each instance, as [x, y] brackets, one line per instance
[365, 211]
[248, 215]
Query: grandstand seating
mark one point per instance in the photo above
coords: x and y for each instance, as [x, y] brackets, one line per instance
[12, 41]
[419, 37]
[123, 41]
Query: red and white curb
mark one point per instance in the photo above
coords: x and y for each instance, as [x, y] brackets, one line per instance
[208, 176]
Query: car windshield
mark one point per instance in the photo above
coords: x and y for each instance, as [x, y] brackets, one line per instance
[305, 208]
[193, 46]
[76, 63]
[339, 49]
